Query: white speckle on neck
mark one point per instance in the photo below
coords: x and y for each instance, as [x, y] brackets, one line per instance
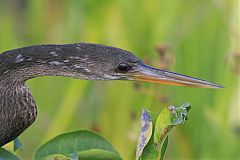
[55, 63]
[29, 59]
[77, 66]
[53, 54]
[73, 57]
[109, 77]
[84, 59]
[66, 61]
[19, 58]
[87, 70]
[40, 62]
[6, 71]
[40, 65]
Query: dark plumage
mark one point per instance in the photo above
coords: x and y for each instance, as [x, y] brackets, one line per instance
[83, 61]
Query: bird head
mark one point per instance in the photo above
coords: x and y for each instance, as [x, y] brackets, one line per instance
[109, 63]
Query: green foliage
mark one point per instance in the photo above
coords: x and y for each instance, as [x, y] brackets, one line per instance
[91, 154]
[153, 141]
[98, 154]
[57, 157]
[87, 144]
[6, 155]
[169, 117]
[164, 148]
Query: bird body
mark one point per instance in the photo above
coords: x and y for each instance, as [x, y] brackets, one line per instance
[82, 61]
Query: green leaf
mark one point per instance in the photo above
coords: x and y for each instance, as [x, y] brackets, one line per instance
[92, 154]
[163, 126]
[169, 117]
[73, 142]
[57, 157]
[98, 154]
[165, 121]
[6, 155]
[150, 152]
[164, 148]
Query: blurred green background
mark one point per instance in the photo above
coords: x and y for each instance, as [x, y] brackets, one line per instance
[195, 37]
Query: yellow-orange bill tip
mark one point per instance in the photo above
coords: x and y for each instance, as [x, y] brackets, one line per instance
[148, 74]
[177, 82]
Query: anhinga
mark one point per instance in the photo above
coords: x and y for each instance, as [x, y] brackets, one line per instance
[83, 61]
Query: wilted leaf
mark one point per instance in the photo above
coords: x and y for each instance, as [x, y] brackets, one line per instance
[145, 132]
[179, 115]
[73, 142]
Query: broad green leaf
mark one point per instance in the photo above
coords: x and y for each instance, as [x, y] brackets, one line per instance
[98, 154]
[6, 155]
[73, 142]
[92, 154]
[57, 157]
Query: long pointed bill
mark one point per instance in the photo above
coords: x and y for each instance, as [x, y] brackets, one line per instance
[149, 74]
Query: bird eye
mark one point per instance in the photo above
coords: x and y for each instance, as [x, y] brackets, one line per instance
[123, 67]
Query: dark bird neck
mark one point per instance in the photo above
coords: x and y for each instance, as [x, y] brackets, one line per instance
[69, 60]
[17, 107]
[17, 111]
